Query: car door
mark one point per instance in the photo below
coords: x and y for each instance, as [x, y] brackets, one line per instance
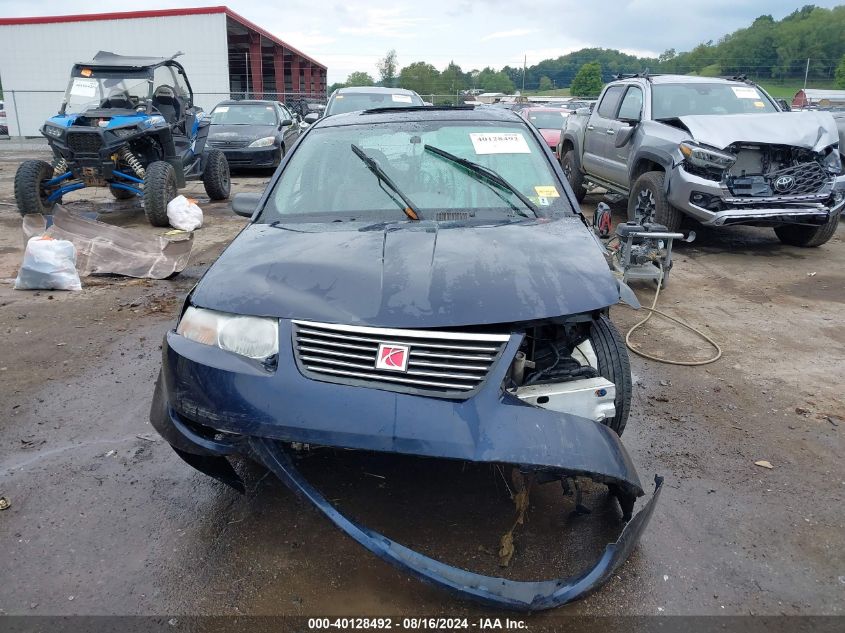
[629, 114]
[598, 131]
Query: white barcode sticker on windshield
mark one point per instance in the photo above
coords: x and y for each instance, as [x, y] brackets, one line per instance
[84, 87]
[401, 98]
[221, 109]
[499, 143]
[745, 92]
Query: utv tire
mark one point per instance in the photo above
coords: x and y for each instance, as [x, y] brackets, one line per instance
[215, 177]
[121, 194]
[647, 202]
[29, 193]
[807, 236]
[613, 364]
[159, 189]
[573, 175]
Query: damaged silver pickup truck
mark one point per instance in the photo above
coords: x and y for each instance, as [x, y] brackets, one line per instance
[720, 151]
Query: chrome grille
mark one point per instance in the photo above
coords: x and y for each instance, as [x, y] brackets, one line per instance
[443, 364]
[228, 144]
[808, 178]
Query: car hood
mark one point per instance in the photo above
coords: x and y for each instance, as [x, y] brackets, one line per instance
[240, 132]
[552, 137]
[810, 130]
[418, 275]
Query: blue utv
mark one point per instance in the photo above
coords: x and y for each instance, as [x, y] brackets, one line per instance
[129, 124]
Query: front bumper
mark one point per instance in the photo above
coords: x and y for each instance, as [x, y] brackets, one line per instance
[252, 157]
[210, 403]
[813, 209]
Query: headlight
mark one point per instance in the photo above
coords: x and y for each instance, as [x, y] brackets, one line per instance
[706, 157]
[125, 131]
[833, 162]
[253, 337]
[264, 142]
[53, 130]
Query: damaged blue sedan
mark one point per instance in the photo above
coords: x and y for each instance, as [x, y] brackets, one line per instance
[416, 281]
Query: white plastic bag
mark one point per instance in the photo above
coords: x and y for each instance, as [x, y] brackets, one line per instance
[48, 264]
[184, 214]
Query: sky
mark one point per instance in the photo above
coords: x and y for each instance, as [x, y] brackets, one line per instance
[352, 35]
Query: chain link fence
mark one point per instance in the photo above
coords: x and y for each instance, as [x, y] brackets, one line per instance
[26, 110]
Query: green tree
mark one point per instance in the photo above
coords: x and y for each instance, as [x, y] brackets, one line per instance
[491, 80]
[839, 77]
[335, 86]
[452, 79]
[387, 67]
[360, 79]
[545, 83]
[419, 77]
[587, 82]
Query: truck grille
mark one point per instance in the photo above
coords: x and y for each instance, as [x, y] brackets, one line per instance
[440, 364]
[85, 142]
[806, 178]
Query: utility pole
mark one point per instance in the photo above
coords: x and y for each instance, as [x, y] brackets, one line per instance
[246, 74]
[524, 64]
[806, 72]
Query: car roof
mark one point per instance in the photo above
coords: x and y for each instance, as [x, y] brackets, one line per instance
[375, 90]
[690, 79]
[247, 102]
[420, 113]
[112, 60]
[542, 109]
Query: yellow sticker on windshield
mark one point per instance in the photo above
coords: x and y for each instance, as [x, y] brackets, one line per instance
[85, 72]
[759, 104]
[547, 191]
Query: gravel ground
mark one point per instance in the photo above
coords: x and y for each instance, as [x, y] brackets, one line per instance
[105, 519]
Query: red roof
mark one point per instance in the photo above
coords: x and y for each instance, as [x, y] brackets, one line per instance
[158, 13]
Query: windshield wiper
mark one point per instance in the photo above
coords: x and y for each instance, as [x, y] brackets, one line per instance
[486, 175]
[383, 179]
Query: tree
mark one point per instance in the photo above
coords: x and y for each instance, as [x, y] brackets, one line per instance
[452, 79]
[387, 68]
[420, 77]
[359, 78]
[490, 80]
[839, 77]
[334, 87]
[545, 83]
[587, 82]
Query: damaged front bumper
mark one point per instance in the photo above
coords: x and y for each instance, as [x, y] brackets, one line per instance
[691, 193]
[210, 403]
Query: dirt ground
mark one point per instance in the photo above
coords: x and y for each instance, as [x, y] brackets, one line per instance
[105, 519]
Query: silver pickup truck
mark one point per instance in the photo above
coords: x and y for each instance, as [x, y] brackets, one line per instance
[718, 150]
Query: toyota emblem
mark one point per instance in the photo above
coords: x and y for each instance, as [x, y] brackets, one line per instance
[784, 184]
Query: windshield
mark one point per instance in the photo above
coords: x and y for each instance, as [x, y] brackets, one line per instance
[547, 120]
[252, 114]
[122, 91]
[670, 101]
[324, 178]
[354, 101]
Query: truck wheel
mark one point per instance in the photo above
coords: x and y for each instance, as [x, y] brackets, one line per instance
[613, 364]
[647, 202]
[29, 190]
[215, 177]
[121, 194]
[807, 236]
[573, 175]
[159, 189]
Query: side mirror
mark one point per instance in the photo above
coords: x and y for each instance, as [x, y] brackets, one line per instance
[784, 106]
[312, 117]
[244, 204]
[287, 122]
[583, 111]
[623, 135]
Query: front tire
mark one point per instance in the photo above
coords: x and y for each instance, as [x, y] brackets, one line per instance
[215, 177]
[648, 203]
[573, 175]
[30, 194]
[614, 365]
[807, 236]
[159, 189]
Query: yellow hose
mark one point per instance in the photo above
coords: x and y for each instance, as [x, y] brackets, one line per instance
[653, 310]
